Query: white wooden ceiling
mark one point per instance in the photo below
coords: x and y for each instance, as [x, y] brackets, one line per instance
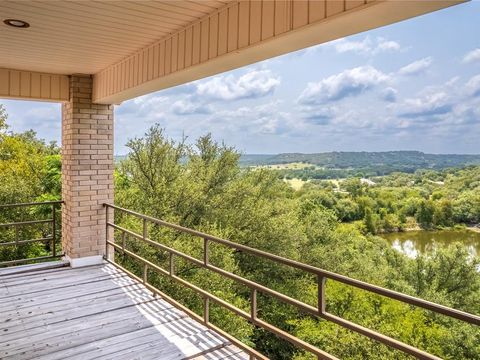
[68, 37]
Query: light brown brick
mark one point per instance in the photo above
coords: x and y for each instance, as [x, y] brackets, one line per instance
[87, 140]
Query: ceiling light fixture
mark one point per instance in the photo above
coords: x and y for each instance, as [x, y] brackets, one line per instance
[16, 23]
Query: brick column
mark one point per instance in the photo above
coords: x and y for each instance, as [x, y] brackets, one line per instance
[87, 172]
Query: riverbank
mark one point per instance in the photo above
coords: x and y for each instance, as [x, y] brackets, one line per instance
[473, 228]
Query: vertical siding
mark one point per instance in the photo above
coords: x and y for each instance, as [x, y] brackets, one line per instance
[239, 24]
[213, 40]
[33, 85]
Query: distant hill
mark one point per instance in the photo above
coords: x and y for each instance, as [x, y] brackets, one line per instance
[406, 161]
[369, 162]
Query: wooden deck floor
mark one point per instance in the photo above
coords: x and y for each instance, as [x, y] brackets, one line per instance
[97, 313]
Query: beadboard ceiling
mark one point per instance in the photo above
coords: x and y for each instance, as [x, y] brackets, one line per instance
[68, 37]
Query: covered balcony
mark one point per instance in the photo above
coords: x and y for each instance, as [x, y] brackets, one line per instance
[95, 287]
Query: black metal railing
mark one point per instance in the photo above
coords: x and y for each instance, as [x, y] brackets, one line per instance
[318, 311]
[12, 237]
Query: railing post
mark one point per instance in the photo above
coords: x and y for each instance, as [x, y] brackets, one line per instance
[54, 231]
[145, 273]
[321, 294]
[205, 251]
[106, 233]
[17, 249]
[172, 265]
[16, 236]
[124, 235]
[253, 304]
[145, 229]
[206, 310]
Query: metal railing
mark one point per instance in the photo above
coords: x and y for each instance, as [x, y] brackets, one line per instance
[322, 275]
[17, 242]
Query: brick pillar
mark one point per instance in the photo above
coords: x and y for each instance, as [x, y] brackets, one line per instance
[87, 172]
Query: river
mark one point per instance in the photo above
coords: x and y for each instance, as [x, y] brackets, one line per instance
[423, 242]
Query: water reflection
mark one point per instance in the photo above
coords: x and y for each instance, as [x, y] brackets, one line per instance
[413, 243]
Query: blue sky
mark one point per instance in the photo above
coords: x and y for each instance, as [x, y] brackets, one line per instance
[414, 85]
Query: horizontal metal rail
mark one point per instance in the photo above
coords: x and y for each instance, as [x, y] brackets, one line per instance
[52, 239]
[20, 242]
[31, 222]
[55, 202]
[321, 274]
[35, 259]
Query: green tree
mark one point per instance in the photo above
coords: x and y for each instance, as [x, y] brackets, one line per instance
[369, 221]
[424, 214]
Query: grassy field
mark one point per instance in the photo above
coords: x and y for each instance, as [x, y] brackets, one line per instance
[289, 166]
[296, 184]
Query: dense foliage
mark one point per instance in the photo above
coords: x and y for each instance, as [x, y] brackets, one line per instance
[203, 187]
[29, 171]
[426, 199]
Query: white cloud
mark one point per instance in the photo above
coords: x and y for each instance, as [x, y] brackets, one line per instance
[367, 46]
[254, 84]
[388, 45]
[389, 94]
[430, 105]
[350, 82]
[266, 119]
[472, 56]
[188, 107]
[416, 67]
[473, 86]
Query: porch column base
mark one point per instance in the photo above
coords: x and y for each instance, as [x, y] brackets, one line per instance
[84, 261]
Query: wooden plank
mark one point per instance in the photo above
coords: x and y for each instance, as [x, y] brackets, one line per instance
[188, 46]
[282, 16]
[161, 60]
[156, 50]
[196, 43]
[300, 13]
[64, 336]
[213, 40]
[25, 83]
[55, 90]
[181, 50]
[174, 57]
[316, 10]
[116, 317]
[222, 31]
[351, 4]
[164, 342]
[268, 18]
[83, 308]
[255, 22]
[135, 72]
[204, 38]
[64, 87]
[168, 56]
[151, 63]
[102, 288]
[145, 65]
[158, 308]
[232, 43]
[230, 352]
[32, 277]
[335, 7]
[4, 82]
[66, 284]
[31, 269]
[243, 23]
[15, 83]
